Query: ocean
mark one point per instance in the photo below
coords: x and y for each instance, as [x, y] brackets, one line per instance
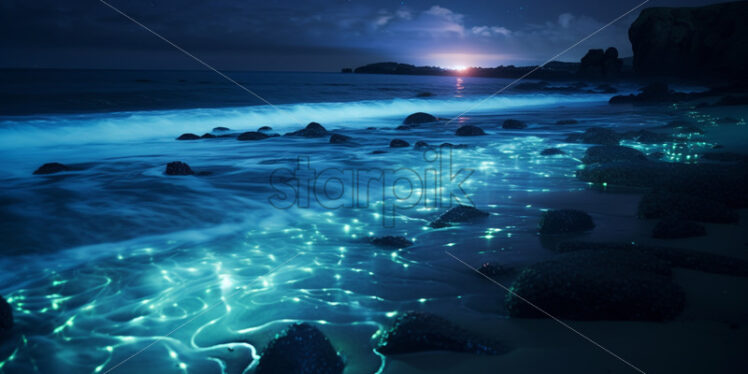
[101, 261]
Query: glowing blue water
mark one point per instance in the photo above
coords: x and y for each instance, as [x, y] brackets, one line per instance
[105, 260]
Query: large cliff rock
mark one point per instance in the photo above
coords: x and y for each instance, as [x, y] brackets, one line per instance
[709, 41]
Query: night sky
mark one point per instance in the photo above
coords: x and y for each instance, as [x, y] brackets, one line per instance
[307, 35]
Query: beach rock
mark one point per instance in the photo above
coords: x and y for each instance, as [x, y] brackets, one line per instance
[564, 221]
[674, 257]
[340, 139]
[692, 42]
[378, 152]
[420, 145]
[597, 285]
[221, 129]
[312, 130]
[567, 122]
[391, 242]
[469, 130]
[611, 153]
[188, 136]
[599, 64]
[659, 204]
[422, 332]
[419, 118]
[551, 152]
[513, 124]
[655, 93]
[251, 135]
[178, 168]
[596, 135]
[51, 168]
[493, 269]
[676, 228]
[460, 213]
[6, 318]
[300, 349]
[399, 143]
[208, 135]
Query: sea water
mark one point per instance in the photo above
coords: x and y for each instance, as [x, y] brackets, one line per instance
[116, 263]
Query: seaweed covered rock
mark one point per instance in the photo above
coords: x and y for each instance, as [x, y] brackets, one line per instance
[564, 221]
[659, 204]
[469, 130]
[188, 136]
[611, 153]
[178, 168]
[551, 152]
[675, 228]
[596, 135]
[420, 332]
[340, 139]
[252, 135]
[419, 118]
[300, 349]
[391, 242]
[675, 257]
[597, 285]
[513, 124]
[312, 130]
[399, 143]
[6, 317]
[460, 213]
[51, 168]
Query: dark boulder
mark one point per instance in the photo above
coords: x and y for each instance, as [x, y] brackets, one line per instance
[312, 130]
[675, 228]
[221, 129]
[564, 221]
[6, 317]
[460, 213]
[51, 168]
[340, 139]
[469, 130]
[692, 42]
[399, 143]
[188, 136]
[513, 124]
[551, 152]
[659, 204]
[391, 242]
[418, 118]
[599, 64]
[208, 135]
[178, 168]
[597, 285]
[300, 349]
[611, 153]
[252, 135]
[420, 145]
[567, 122]
[422, 332]
[596, 135]
[674, 257]
[655, 93]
